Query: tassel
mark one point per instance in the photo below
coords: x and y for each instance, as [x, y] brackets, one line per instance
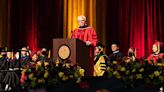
[158, 47]
[12, 53]
[135, 53]
[49, 53]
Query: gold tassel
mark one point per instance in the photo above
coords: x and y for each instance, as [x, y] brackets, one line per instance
[158, 47]
[135, 53]
[5, 48]
[49, 53]
[12, 57]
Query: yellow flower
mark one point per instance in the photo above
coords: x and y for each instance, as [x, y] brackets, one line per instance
[151, 76]
[127, 60]
[76, 75]
[123, 69]
[134, 70]
[46, 74]
[64, 65]
[67, 65]
[64, 78]
[46, 63]
[115, 73]
[31, 76]
[156, 73]
[141, 70]
[138, 76]
[41, 80]
[127, 72]
[24, 70]
[57, 63]
[39, 63]
[118, 76]
[114, 62]
[60, 74]
[81, 71]
[78, 80]
[159, 64]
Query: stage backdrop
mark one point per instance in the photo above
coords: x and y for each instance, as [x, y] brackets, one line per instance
[134, 23]
[30, 22]
[73, 9]
[5, 31]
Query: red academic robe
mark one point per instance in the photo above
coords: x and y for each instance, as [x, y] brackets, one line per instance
[87, 34]
[155, 57]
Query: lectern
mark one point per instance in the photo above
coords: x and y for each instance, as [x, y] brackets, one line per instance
[73, 50]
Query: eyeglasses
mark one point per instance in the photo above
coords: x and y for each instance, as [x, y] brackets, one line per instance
[80, 20]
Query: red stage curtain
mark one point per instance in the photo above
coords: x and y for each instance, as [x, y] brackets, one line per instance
[131, 22]
[136, 23]
[35, 22]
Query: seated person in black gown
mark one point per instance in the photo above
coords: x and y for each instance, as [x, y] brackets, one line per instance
[24, 54]
[116, 54]
[3, 65]
[3, 54]
[24, 57]
[11, 78]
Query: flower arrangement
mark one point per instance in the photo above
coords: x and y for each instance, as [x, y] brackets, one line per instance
[137, 72]
[49, 74]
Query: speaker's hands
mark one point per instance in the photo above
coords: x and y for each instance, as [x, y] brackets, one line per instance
[88, 43]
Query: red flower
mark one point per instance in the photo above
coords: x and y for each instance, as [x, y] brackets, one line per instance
[23, 78]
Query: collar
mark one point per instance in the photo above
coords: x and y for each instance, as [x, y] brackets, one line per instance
[83, 26]
[115, 52]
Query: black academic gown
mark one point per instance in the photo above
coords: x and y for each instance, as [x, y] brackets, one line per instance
[11, 78]
[3, 67]
[116, 57]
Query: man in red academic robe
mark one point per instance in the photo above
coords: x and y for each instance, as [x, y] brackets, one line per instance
[88, 35]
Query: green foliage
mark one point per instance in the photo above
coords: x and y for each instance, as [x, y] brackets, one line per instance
[50, 74]
[139, 70]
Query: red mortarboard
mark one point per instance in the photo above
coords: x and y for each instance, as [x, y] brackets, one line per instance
[133, 48]
[158, 44]
[32, 53]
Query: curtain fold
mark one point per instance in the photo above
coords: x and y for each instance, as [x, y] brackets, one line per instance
[5, 31]
[136, 23]
[74, 8]
[32, 23]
